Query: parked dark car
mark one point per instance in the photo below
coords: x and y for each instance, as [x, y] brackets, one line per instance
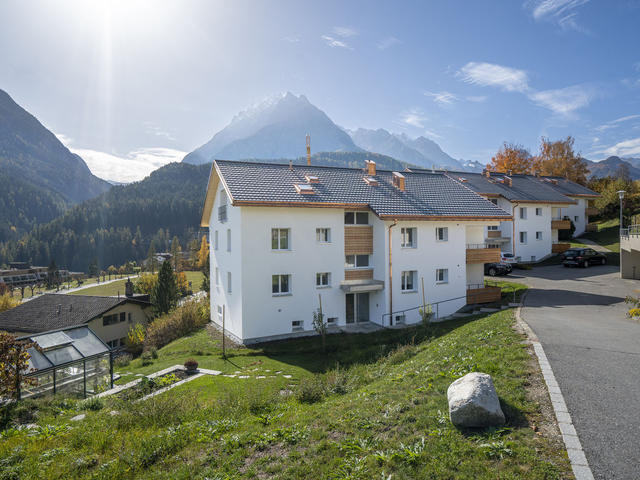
[583, 257]
[494, 269]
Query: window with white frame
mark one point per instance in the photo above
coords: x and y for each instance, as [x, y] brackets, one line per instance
[493, 228]
[533, 258]
[576, 219]
[228, 282]
[409, 237]
[356, 261]
[523, 213]
[442, 234]
[523, 237]
[442, 275]
[280, 239]
[280, 284]
[356, 218]
[297, 325]
[215, 240]
[538, 235]
[323, 279]
[228, 239]
[323, 235]
[217, 277]
[538, 211]
[409, 281]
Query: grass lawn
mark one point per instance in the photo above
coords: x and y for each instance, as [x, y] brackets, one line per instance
[373, 407]
[112, 289]
[608, 234]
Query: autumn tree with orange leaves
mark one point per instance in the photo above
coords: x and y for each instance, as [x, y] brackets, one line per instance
[511, 158]
[559, 159]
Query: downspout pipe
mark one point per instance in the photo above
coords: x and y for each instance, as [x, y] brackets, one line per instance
[513, 234]
[395, 222]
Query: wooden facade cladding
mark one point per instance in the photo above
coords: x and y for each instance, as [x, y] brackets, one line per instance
[560, 247]
[483, 295]
[483, 255]
[560, 224]
[591, 227]
[494, 234]
[358, 240]
[363, 274]
[591, 211]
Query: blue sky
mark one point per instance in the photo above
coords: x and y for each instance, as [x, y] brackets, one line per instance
[133, 84]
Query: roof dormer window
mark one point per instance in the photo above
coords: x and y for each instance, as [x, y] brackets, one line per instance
[398, 181]
[371, 181]
[312, 178]
[304, 189]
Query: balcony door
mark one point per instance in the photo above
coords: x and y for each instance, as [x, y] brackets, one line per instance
[357, 310]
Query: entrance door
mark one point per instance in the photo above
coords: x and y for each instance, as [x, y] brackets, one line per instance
[357, 307]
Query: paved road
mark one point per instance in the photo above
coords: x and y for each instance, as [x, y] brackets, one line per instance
[594, 351]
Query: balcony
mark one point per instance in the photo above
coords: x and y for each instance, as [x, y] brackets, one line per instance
[495, 236]
[591, 211]
[591, 227]
[482, 253]
[222, 213]
[483, 294]
[560, 247]
[558, 224]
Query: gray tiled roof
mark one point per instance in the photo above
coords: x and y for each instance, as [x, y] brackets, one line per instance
[54, 311]
[567, 187]
[426, 194]
[525, 188]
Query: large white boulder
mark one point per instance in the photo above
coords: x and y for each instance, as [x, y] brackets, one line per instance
[473, 401]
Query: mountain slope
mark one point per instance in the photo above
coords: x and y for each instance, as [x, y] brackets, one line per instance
[120, 224]
[610, 167]
[381, 141]
[432, 152]
[31, 152]
[274, 129]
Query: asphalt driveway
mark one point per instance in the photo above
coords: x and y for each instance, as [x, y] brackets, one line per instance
[594, 350]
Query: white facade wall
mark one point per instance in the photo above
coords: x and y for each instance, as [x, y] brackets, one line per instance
[534, 249]
[577, 214]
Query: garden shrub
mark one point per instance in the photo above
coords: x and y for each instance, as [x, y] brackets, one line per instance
[146, 359]
[176, 324]
[311, 389]
[122, 360]
[91, 403]
[135, 339]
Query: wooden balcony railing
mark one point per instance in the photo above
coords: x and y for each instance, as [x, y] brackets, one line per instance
[482, 253]
[560, 224]
[560, 247]
[494, 234]
[591, 211]
[591, 227]
[483, 294]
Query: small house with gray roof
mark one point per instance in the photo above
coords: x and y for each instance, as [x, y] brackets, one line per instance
[372, 246]
[110, 318]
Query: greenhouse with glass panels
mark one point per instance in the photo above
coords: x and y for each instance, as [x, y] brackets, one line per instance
[71, 361]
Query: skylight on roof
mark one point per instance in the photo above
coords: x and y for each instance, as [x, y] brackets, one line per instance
[312, 178]
[371, 181]
[304, 189]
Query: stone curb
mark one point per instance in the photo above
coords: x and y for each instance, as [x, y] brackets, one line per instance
[579, 464]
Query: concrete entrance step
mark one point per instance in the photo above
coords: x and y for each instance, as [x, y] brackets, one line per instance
[488, 310]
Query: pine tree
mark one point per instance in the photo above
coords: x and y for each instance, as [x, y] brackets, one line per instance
[203, 254]
[151, 257]
[165, 294]
[176, 249]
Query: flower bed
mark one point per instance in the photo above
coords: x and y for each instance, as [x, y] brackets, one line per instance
[147, 386]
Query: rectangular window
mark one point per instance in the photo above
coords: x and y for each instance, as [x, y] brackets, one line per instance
[356, 218]
[538, 211]
[442, 234]
[323, 279]
[280, 284]
[523, 237]
[409, 237]
[533, 258]
[113, 343]
[538, 235]
[129, 317]
[576, 219]
[110, 319]
[279, 239]
[493, 228]
[523, 213]
[494, 201]
[297, 325]
[229, 282]
[215, 240]
[409, 281]
[123, 316]
[323, 235]
[217, 276]
[442, 275]
[332, 321]
[228, 239]
[356, 261]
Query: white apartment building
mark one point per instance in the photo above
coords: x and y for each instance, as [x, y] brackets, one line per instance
[541, 207]
[361, 241]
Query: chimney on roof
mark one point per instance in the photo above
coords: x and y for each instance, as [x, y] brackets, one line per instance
[290, 165]
[371, 167]
[398, 181]
[308, 149]
[128, 288]
[508, 181]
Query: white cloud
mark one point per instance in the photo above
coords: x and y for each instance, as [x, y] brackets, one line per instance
[614, 123]
[490, 74]
[626, 148]
[443, 98]
[432, 134]
[66, 141]
[345, 32]
[334, 42]
[413, 118]
[476, 98]
[563, 101]
[134, 166]
[561, 12]
[388, 42]
[154, 129]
